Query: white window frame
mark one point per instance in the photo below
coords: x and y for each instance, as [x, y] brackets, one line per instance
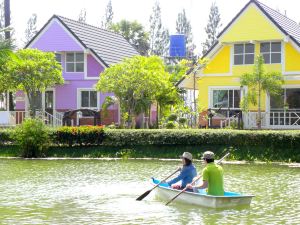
[222, 88]
[84, 62]
[79, 90]
[243, 54]
[270, 52]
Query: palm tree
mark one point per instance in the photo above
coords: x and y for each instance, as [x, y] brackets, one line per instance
[260, 82]
[5, 50]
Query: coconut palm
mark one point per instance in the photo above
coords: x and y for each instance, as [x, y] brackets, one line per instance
[260, 82]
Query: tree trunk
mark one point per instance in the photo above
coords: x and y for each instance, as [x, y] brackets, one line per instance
[157, 114]
[7, 18]
[195, 103]
[259, 107]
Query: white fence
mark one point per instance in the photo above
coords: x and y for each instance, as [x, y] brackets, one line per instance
[278, 119]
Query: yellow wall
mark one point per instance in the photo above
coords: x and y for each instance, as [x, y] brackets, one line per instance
[204, 84]
[252, 25]
[220, 63]
[292, 58]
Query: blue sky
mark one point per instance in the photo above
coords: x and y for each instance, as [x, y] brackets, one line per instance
[197, 12]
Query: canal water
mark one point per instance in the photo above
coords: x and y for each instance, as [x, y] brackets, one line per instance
[104, 192]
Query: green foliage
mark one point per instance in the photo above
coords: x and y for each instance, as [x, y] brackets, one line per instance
[32, 72]
[6, 54]
[137, 82]
[172, 117]
[134, 33]
[6, 136]
[84, 135]
[108, 101]
[32, 137]
[243, 144]
[171, 125]
[182, 121]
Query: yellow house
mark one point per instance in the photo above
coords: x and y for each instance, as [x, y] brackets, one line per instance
[256, 29]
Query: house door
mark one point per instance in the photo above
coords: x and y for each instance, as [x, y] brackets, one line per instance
[49, 102]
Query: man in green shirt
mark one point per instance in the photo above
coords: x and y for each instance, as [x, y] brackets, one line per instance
[212, 176]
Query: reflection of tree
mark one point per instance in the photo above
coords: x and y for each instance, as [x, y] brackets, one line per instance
[293, 98]
[220, 98]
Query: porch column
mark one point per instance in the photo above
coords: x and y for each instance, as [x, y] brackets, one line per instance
[268, 109]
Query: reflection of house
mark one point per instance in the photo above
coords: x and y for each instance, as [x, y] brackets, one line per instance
[84, 52]
[256, 29]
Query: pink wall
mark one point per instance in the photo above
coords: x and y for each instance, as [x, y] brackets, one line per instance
[55, 38]
[93, 67]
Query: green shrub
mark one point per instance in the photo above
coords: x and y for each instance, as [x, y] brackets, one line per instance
[6, 136]
[171, 125]
[182, 120]
[32, 138]
[84, 135]
[273, 145]
[172, 117]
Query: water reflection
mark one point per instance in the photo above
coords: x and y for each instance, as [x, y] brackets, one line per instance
[104, 192]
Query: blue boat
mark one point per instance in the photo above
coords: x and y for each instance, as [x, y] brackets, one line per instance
[230, 199]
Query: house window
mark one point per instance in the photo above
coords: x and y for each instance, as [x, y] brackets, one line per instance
[88, 99]
[243, 54]
[58, 57]
[289, 99]
[75, 62]
[226, 98]
[271, 51]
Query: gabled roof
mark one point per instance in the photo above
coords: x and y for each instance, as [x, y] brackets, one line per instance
[108, 47]
[286, 25]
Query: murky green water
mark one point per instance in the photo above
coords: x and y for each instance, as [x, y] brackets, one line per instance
[104, 192]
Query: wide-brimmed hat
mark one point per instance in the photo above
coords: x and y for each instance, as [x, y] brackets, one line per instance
[187, 155]
[208, 155]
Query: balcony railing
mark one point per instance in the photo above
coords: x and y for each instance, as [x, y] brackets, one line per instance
[276, 119]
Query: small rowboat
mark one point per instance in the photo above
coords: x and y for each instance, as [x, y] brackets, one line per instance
[230, 199]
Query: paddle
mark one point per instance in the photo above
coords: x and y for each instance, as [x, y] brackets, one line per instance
[148, 192]
[194, 181]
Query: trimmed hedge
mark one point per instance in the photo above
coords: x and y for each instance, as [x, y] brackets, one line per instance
[280, 139]
[84, 135]
[243, 144]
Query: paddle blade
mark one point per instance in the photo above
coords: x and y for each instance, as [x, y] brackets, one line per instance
[143, 195]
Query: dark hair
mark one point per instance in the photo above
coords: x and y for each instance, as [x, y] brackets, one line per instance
[209, 160]
[187, 162]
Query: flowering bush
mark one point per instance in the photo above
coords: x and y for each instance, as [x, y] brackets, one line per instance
[84, 135]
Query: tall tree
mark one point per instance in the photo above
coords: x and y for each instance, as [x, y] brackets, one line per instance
[260, 82]
[82, 16]
[2, 20]
[156, 31]
[108, 17]
[165, 42]
[32, 71]
[134, 33]
[136, 82]
[183, 26]
[212, 27]
[31, 29]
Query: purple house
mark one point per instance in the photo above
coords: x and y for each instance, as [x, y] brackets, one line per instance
[84, 51]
